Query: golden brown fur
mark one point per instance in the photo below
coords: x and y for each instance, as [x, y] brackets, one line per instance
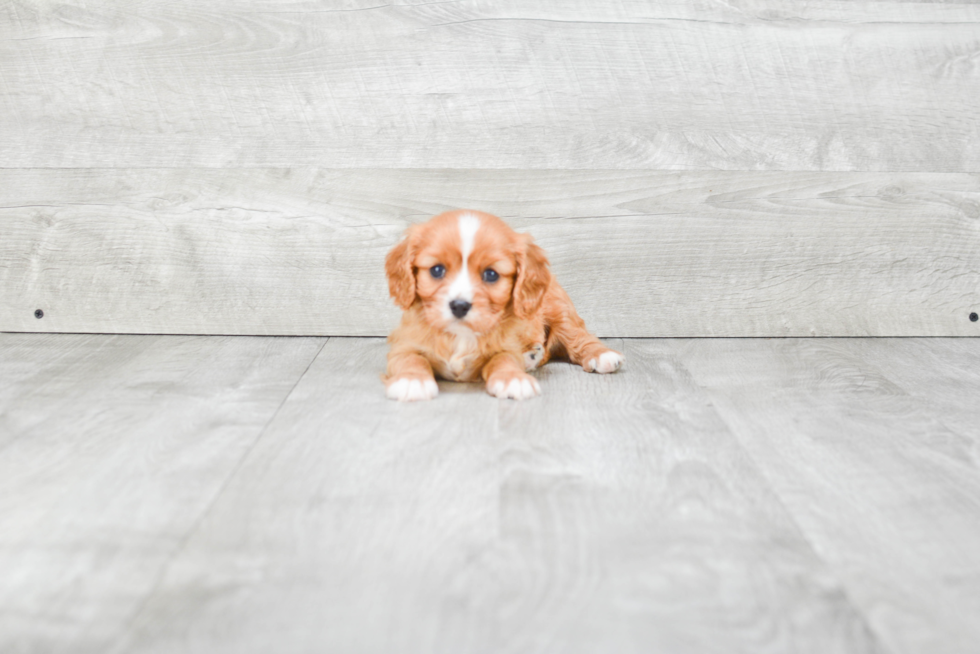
[514, 323]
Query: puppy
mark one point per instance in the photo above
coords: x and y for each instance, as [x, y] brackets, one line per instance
[480, 303]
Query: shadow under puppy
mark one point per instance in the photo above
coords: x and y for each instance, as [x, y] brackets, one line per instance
[480, 303]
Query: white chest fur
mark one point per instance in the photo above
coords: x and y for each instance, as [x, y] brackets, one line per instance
[465, 351]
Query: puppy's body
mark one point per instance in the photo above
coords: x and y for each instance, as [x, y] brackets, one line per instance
[480, 303]
[459, 354]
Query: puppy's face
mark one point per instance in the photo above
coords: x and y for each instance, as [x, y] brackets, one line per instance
[467, 269]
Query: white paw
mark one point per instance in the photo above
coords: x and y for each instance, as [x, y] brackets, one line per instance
[533, 357]
[410, 390]
[515, 389]
[609, 361]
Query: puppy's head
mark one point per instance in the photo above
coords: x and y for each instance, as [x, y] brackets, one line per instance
[467, 268]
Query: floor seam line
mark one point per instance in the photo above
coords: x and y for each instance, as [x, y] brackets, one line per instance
[791, 516]
[214, 500]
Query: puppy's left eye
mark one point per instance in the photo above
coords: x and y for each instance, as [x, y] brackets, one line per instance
[490, 275]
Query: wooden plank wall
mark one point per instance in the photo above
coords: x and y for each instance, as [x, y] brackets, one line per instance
[749, 168]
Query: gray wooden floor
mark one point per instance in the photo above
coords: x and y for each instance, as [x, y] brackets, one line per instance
[239, 494]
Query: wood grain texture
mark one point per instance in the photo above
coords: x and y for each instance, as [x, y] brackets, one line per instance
[301, 251]
[631, 520]
[616, 513]
[874, 449]
[347, 530]
[745, 85]
[111, 450]
[806, 495]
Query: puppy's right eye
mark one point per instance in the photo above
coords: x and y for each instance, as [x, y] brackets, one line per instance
[438, 271]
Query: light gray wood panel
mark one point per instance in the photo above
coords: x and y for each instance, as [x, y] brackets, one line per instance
[631, 512]
[111, 450]
[301, 251]
[873, 447]
[615, 513]
[632, 520]
[945, 375]
[346, 530]
[758, 85]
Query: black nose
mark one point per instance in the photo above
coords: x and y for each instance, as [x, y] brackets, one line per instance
[459, 307]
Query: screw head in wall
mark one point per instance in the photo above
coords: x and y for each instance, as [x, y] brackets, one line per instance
[974, 317]
[38, 314]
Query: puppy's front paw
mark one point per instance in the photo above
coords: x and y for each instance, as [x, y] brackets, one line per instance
[608, 361]
[533, 357]
[519, 386]
[410, 389]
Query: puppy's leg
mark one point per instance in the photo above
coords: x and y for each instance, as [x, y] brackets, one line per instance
[409, 378]
[505, 377]
[534, 357]
[568, 332]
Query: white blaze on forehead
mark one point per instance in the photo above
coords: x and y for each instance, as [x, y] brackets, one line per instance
[468, 224]
[462, 287]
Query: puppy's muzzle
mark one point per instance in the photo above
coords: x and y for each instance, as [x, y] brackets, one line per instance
[459, 308]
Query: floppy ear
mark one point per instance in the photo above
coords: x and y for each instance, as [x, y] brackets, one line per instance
[398, 268]
[533, 278]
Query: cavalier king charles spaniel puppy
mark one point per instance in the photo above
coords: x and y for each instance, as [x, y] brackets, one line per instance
[480, 303]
